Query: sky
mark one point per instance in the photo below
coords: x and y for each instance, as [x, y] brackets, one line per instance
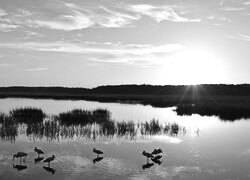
[87, 43]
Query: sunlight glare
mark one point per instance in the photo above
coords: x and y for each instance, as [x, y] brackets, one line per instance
[195, 66]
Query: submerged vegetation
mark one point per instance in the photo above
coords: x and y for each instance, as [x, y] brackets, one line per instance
[78, 123]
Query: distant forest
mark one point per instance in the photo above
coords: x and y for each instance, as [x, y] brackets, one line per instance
[207, 89]
[229, 102]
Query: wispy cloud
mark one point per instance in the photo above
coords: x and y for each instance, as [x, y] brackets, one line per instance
[37, 69]
[233, 8]
[104, 52]
[5, 65]
[70, 16]
[7, 27]
[74, 21]
[246, 3]
[3, 12]
[242, 37]
[159, 13]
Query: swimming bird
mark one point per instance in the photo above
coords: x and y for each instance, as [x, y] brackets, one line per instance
[38, 151]
[49, 159]
[98, 152]
[20, 155]
[148, 155]
[156, 151]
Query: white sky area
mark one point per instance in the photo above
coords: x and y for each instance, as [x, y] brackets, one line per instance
[99, 42]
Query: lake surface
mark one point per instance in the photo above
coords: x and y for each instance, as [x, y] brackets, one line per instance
[203, 148]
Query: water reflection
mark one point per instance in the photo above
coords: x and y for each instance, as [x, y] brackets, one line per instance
[38, 159]
[97, 159]
[19, 167]
[147, 165]
[49, 169]
[77, 124]
[156, 160]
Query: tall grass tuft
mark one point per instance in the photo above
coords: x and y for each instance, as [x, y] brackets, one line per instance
[83, 117]
[27, 115]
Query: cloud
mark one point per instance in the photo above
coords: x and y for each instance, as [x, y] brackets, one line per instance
[75, 17]
[36, 69]
[159, 13]
[2, 13]
[5, 65]
[7, 27]
[246, 3]
[74, 21]
[242, 37]
[72, 16]
[111, 18]
[105, 52]
[233, 8]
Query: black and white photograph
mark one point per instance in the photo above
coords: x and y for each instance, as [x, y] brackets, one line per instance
[124, 89]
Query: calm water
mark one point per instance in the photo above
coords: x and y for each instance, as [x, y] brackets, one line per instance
[206, 148]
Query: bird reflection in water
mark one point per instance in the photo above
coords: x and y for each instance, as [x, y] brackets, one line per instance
[19, 167]
[38, 159]
[49, 169]
[147, 165]
[97, 159]
[156, 160]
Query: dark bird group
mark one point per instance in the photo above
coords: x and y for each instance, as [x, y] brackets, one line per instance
[154, 156]
[38, 159]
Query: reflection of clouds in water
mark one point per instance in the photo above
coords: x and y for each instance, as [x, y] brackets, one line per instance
[166, 139]
[77, 161]
[180, 171]
[143, 139]
[140, 177]
[117, 166]
[4, 159]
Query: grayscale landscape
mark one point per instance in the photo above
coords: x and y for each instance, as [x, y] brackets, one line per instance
[119, 89]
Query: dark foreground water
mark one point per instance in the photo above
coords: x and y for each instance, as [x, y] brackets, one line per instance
[202, 148]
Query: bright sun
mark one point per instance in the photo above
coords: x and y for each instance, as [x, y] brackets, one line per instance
[194, 66]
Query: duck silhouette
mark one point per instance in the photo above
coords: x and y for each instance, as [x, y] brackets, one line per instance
[98, 152]
[49, 169]
[97, 159]
[19, 167]
[147, 165]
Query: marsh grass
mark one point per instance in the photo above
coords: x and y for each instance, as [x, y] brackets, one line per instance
[76, 124]
[27, 115]
[83, 117]
[8, 128]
